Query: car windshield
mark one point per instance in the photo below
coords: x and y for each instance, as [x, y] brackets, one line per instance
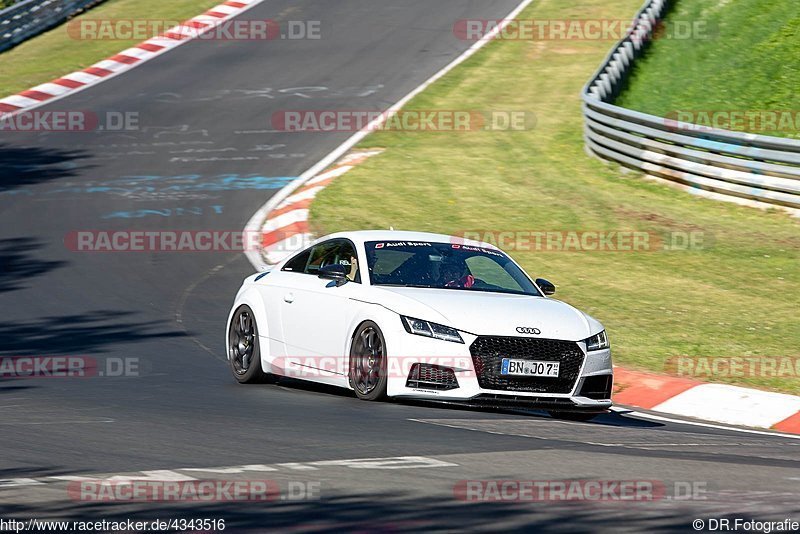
[445, 266]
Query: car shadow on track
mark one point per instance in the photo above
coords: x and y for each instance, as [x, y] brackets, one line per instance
[607, 419]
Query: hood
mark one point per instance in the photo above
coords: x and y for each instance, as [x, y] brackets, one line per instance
[491, 314]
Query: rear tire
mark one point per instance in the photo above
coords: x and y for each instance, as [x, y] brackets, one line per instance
[244, 349]
[573, 416]
[368, 363]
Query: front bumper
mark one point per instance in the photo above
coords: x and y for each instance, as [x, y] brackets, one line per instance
[432, 369]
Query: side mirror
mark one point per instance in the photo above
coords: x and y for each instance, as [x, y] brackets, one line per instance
[335, 272]
[546, 286]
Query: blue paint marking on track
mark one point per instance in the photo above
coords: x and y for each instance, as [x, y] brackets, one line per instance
[165, 212]
[165, 185]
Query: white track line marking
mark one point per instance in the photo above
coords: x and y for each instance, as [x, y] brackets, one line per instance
[395, 462]
[625, 412]
[59, 422]
[258, 468]
[653, 417]
[13, 482]
[298, 466]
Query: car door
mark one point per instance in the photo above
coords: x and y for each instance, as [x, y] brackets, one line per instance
[315, 312]
[272, 288]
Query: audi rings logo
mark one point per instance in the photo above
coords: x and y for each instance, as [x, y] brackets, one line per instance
[528, 330]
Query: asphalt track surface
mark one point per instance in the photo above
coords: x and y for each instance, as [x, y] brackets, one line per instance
[203, 154]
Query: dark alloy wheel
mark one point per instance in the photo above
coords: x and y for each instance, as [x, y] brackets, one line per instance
[368, 362]
[244, 352]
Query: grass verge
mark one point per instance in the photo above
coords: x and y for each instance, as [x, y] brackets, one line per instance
[55, 53]
[743, 56]
[736, 295]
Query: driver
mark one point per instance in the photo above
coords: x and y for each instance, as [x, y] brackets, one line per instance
[456, 274]
[353, 272]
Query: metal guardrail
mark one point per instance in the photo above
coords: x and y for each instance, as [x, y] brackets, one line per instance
[744, 165]
[31, 17]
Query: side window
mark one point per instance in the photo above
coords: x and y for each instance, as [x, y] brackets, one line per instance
[348, 258]
[322, 255]
[337, 251]
[298, 263]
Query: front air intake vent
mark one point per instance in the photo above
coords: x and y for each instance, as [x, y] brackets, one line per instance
[427, 376]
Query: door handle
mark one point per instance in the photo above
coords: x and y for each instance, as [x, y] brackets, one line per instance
[288, 297]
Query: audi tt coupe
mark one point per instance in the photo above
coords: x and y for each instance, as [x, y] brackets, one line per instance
[422, 316]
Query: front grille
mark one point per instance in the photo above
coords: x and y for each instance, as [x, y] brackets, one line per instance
[596, 387]
[424, 375]
[488, 353]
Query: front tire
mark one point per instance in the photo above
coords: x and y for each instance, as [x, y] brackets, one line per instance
[368, 362]
[244, 350]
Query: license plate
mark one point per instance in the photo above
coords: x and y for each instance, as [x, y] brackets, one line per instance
[529, 368]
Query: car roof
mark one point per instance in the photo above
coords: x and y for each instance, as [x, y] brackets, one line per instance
[361, 236]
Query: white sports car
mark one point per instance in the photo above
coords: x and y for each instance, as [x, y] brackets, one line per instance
[419, 315]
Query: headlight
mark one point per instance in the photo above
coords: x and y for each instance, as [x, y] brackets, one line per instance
[597, 342]
[428, 329]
